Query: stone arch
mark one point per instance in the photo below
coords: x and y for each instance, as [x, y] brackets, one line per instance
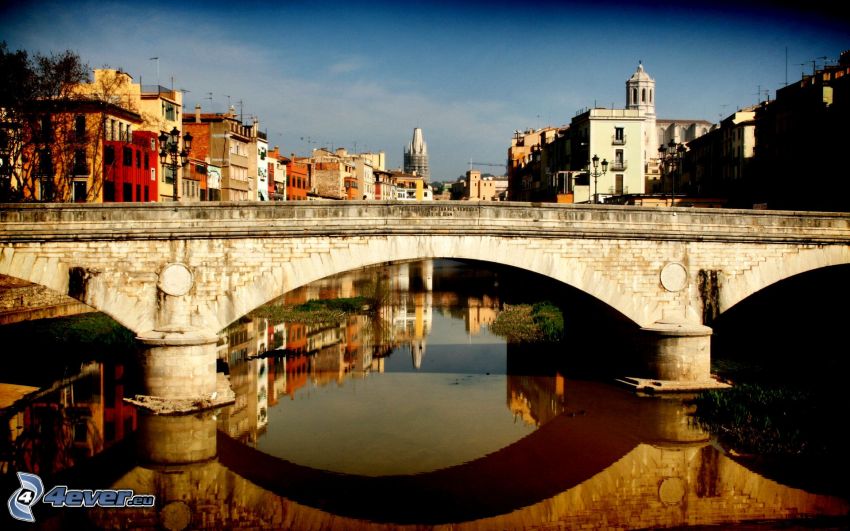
[505, 251]
[79, 283]
[734, 290]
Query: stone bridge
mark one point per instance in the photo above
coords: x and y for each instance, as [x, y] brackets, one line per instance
[176, 274]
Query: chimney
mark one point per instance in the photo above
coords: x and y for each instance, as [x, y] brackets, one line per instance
[197, 113]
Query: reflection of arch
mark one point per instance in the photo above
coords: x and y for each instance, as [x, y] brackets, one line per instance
[601, 417]
[738, 288]
[504, 251]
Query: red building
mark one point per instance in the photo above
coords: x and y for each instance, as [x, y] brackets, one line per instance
[129, 168]
[297, 178]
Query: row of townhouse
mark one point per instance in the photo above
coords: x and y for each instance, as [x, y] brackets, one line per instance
[784, 153]
[339, 174]
[554, 163]
[113, 140]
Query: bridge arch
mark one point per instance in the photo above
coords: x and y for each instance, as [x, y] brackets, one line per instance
[80, 283]
[734, 289]
[513, 252]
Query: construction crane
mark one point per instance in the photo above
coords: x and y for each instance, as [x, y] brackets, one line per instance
[502, 165]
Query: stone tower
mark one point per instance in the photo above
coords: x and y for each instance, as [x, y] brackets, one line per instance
[416, 156]
[640, 95]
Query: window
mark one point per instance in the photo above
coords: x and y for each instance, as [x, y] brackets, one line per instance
[80, 166]
[618, 157]
[45, 162]
[128, 156]
[169, 111]
[650, 95]
[634, 95]
[168, 174]
[153, 174]
[138, 159]
[138, 192]
[80, 192]
[643, 95]
[618, 184]
[109, 155]
[46, 131]
[147, 161]
[128, 192]
[147, 194]
[80, 128]
[238, 173]
[108, 191]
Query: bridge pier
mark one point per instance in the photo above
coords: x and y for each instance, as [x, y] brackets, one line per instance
[677, 358]
[179, 373]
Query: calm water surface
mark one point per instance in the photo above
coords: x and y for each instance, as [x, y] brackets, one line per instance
[414, 414]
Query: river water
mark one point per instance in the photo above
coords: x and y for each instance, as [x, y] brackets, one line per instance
[412, 414]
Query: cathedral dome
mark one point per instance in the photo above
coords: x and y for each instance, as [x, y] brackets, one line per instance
[640, 74]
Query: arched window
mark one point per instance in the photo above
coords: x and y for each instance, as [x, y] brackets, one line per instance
[634, 95]
[650, 95]
[643, 95]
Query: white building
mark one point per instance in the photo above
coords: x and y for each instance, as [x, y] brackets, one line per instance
[628, 140]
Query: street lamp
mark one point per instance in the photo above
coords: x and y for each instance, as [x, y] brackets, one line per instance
[169, 153]
[595, 173]
[670, 163]
[5, 164]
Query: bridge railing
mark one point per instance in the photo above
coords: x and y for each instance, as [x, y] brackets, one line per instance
[120, 221]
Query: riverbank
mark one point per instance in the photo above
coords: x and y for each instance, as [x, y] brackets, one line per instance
[529, 323]
[317, 311]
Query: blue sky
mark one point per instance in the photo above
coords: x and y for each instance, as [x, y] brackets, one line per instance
[468, 73]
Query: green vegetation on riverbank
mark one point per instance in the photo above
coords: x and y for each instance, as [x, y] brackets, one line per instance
[88, 333]
[760, 419]
[525, 323]
[317, 311]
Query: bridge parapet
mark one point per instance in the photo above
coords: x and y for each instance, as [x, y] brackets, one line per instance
[34, 222]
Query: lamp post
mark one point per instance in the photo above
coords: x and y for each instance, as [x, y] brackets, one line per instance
[595, 173]
[5, 164]
[170, 153]
[670, 163]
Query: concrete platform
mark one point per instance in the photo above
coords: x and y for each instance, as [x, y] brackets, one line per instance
[223, 396]
[651, 386]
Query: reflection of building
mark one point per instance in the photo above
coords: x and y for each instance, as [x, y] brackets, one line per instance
[479, 312]
[84, 415]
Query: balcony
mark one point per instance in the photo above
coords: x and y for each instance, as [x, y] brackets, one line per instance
[618, 165]
[618, 141]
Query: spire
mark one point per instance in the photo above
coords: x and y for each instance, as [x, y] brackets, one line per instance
[417, 146]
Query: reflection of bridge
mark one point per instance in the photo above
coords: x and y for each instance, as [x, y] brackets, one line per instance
[177, 275]
[651, 469]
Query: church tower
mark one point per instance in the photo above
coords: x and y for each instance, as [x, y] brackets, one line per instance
[416, 156]
[640, 95]
[640, 92]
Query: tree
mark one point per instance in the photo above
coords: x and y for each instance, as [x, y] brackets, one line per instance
[39, 135]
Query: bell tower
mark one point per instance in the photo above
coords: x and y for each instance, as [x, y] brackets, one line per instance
[640, 95]
[640, 92]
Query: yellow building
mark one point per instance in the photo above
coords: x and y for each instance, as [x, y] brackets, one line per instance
[160, 109]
